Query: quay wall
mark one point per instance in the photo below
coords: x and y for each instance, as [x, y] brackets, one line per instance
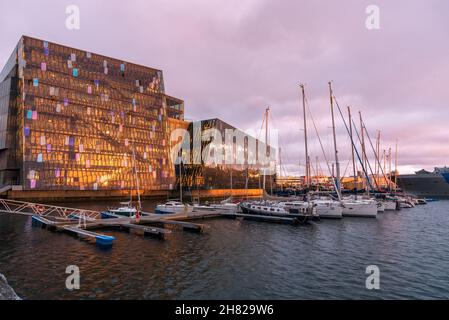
[67, 195]
[224, 193]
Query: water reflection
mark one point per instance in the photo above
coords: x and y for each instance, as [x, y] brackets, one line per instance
[238, 259]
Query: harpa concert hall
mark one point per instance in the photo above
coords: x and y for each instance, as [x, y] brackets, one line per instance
[78, 124]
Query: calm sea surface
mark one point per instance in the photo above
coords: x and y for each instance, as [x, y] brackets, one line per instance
[239, 259]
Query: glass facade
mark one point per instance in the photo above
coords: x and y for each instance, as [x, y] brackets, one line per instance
[9, 164]
[80, 117]
[239, 174]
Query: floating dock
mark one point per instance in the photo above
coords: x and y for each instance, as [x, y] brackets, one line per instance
[149, 225]
[146, 231]
[262, 218]
[81, 223]
[99, 239]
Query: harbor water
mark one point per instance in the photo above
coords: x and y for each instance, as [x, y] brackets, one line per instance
[237, 259]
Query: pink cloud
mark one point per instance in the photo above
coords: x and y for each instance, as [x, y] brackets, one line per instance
[231, 59]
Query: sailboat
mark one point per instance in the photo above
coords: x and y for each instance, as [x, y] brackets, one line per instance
[325, 207]
[174, 206]
[351, 206]
[225, 205]
[126, 209]
[384, 202]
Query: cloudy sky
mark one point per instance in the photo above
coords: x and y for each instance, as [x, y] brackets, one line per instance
[231, 59]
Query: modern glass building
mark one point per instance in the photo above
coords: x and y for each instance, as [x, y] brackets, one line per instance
[72, 120]
[242, 170]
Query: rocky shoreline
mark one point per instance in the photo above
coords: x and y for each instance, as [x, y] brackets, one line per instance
[6, 292]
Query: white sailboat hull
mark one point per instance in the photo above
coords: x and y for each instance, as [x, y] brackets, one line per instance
[380, 206]
[162, 209]
[329, 211]
[360, 209]
[406, 205]
[390, 205]
[218, 207]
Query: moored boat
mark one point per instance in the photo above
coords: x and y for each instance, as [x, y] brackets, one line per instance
[380, 206]
[225, 205]
[295, 209]
[421, 201]
[126, 209]
[171, 207]
[359, 208]
[328, 209]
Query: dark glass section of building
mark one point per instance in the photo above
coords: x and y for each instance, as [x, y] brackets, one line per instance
[175, 108]
[78, 117]
[9, 164]
[240, 174]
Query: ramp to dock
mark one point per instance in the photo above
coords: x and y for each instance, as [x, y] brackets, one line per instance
[45, 210]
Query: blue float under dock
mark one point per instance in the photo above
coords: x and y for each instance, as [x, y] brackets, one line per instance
[100, 239]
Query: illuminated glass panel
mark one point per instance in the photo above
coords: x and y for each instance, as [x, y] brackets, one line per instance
[83, 114]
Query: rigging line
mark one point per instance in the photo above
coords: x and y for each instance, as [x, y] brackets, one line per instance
[261, 128]
[352, 142]
[372, 147]
[346, 169]
[319, 138]
[334, 182]
[369, 165]
[282, 145]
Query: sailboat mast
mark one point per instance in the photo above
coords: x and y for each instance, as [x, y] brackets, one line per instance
[305, 137]
[180, 180]
[267, 148]
[389, 169]
[231, 181]
[352, 152]
[232, 165]
[131, 193]
[396, 167]
[377, 171]
[364, 158]
[137, 180]
[385, 165]
[280, 163]
[337, 165]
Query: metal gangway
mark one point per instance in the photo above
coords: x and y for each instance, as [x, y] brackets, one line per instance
[45, 210]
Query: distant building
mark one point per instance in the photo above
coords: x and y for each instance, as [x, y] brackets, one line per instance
[300, 182]
[348, 183]
[290, 182]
